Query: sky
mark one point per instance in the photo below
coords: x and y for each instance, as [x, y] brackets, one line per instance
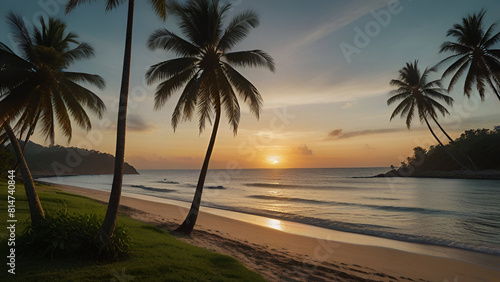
[325, 106]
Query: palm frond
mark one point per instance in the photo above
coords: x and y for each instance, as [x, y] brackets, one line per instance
[229, 101]
[254, 58]
[160, 8]
[245, 88]
[21, 35]
[238, 29]
[397, 97]
[187, 102]
[92, 79]
[83, 96]
[169, 41]
[168, 87]
[82, 51]
[167, 69]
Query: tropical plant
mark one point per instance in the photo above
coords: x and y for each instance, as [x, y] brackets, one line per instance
[159, 6]
[205, 67]
[35, 86]
[415, 93]
[473, 55]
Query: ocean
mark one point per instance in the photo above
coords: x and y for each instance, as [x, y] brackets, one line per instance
[457, 213]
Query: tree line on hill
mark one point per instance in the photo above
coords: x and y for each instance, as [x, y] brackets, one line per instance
[60, 161]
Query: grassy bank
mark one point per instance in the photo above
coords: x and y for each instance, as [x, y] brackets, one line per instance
[154, 256]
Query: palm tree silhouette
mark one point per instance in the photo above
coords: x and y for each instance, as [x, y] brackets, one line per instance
[414, 92]
[472, 54]
[159, 6]
[35, 87]
[205, 68]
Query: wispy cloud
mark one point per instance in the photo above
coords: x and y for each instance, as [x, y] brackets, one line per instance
[340, 134]
[339, 18]
[302, 150]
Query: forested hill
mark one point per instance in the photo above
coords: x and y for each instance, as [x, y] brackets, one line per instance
[477, 150]
[59, 160]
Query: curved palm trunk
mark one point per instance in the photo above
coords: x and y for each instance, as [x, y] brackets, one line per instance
[442, 130]
[109, 223]
[451, 141]
[439, 141]
[496, 91]
[188, 224]
[26, 140]
[35, 206]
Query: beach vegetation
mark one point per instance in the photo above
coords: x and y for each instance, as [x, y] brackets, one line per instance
[153, 255]
[37, 89]
[159, 7]
[65, 235]
[205, 68]
[480, 145]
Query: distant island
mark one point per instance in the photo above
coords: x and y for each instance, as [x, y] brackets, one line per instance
[478, 150]
[64, 161]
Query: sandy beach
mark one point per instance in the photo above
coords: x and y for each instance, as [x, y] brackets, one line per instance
[279, 255]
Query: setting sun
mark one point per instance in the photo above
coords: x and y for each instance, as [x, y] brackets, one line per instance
[274, 160]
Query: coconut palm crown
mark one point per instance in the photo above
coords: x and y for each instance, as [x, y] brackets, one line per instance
[473, 55]
[205, 65]
[36, 85]
[417, 94]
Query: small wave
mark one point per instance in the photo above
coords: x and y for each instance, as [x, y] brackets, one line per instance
[381, 198]
[376, 207]
[167, 182]
[364, 229]
[299, 200]
[219, 187]
[152, 188]
[270, 185]
[309, 187]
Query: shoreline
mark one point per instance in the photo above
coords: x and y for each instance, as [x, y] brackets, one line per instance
[455, 174]
[281, 255]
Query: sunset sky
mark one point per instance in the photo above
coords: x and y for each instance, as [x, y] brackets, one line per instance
[323, 107]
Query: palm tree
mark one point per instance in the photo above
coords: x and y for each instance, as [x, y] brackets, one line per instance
[159, 6]
[36, 87]
[473, 54]
[205, 67]
[414, 91]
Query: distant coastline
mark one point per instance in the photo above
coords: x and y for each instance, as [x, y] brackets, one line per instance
[455, 174]
[57, 161]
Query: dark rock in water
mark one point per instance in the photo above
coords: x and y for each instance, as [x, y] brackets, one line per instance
[215, 187]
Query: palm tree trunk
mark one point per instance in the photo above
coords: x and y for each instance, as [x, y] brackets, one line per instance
[493, 87]
[109, 223]
[439, 141]
[34, 204]
[451, 141]
[188, 224]
[27, 139]
[442, 130]
[496, 92]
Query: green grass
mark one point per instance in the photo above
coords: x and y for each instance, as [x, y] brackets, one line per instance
[155, 255]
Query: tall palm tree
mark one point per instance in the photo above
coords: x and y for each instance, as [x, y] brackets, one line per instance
[473, 55]
[205, 67]
[159, 6]
[35, 86]
[414, 92]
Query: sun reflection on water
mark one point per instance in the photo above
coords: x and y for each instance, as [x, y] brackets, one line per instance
[274, 223]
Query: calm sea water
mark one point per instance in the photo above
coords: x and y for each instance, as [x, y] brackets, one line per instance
[456, 213]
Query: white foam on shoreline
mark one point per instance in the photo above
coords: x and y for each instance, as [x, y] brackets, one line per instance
[301, 229]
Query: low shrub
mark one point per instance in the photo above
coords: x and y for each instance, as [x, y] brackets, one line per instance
[65, 235]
